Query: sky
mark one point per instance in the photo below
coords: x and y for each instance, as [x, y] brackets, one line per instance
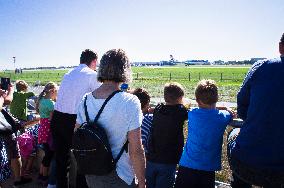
[54, 33]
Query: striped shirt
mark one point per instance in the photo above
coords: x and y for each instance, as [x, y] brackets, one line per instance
[146, 130]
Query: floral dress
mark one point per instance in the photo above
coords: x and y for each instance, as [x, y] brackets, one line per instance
[46, 106]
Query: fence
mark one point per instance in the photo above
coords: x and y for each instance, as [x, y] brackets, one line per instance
[190, 76]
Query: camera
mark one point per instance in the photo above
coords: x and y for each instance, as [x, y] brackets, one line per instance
[5, 82]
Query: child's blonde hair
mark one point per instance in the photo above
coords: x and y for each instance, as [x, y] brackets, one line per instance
[207, 92]
[173, 92]
[47, 89]
[21, 85]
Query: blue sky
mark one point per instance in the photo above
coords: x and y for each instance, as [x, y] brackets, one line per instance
[53, 32]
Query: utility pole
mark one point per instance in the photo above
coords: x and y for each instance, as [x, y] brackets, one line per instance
[14, 62]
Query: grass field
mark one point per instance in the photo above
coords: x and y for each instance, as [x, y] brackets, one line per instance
[153, 79]
[228, 79]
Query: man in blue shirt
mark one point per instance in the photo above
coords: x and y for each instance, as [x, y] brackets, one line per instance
[256, 155]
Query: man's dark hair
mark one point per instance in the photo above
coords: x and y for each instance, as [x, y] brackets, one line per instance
[87, 56]
[143, 96]
[282, 39]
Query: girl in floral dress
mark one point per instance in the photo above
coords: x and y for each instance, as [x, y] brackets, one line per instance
[45, 107]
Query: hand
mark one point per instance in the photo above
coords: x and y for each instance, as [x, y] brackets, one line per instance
[1, 102]
[10, 89]
[151, 110]
[2, 98]
[9, 95]
[233, 113]
[141, 186]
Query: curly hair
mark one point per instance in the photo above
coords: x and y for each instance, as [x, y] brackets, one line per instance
[87, 56]
[207, 92]
[115, 66]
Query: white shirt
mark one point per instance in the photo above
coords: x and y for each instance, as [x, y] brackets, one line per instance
[120, 115]
[74, 86]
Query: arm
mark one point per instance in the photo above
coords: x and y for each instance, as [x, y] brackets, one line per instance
[137, 156]
[2, 94]
[232, 112]
[243, 99]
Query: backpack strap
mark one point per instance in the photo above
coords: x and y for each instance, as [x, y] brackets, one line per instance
[124, 147]
[85, 109]
[101, 109]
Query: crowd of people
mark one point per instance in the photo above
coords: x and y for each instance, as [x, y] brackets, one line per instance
[158, 155]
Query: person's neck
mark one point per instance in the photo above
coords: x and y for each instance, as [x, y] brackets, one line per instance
[207, 106]
[106, 89]
[172, 104]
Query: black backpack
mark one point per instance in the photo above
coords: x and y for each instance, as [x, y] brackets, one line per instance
[91, 147]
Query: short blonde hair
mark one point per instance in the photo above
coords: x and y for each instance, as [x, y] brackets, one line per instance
[21, 85]
[207, 92]
[173, 92]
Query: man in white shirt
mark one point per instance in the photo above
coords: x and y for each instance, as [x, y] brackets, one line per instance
[74, 86]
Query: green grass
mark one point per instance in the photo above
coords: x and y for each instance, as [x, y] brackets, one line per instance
[228, 79]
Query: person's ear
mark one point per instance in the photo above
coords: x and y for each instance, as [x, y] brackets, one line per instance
[199, 102]
[281, 48]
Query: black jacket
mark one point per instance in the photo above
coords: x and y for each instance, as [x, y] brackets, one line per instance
[167, 139]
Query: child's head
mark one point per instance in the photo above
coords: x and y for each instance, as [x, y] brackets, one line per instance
[21, 85]
[173, 93]
[50, 90]
[206, 92]
[144, 98]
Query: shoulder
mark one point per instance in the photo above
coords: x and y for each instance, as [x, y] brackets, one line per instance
[272, 61]
[148, 117]
[260, 65]
[193, 110]
[16, 93]
[223, 112]
[224, 115]
[29, 94]
[128, 98]
[181, 108]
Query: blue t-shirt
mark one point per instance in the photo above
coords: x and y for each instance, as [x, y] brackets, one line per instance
[205, 137]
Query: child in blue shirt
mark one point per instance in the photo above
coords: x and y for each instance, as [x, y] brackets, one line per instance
[201, 156]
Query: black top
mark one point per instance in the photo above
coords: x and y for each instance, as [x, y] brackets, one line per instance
[167, 139]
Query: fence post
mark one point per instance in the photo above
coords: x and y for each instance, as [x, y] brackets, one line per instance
[189, 76]
[37, 75]
[137, 75]
[170, 76]
[199, 76]
[221, 76]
